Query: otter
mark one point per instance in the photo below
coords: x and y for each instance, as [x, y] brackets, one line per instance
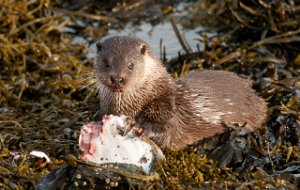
[132, 81]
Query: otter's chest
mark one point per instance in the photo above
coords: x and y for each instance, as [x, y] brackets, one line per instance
[122, 104]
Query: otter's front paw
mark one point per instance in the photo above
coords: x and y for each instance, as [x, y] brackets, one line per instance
[131, 126]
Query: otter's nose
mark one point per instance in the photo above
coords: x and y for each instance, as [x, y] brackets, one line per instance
[116, 80]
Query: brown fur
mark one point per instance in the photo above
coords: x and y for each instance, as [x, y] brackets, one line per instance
[173, 113]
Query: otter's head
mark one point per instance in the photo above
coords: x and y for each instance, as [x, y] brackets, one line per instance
[120, 62]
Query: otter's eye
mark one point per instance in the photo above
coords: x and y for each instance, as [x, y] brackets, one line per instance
[105, 63]
[131, 66]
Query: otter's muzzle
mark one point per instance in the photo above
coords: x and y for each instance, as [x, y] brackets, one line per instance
[116, 80]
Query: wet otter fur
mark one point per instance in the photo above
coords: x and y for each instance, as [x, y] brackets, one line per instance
[174, 113]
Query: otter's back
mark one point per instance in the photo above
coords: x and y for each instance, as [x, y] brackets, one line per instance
[223, 97]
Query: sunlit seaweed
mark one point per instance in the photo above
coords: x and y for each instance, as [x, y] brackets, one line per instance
[39, 71]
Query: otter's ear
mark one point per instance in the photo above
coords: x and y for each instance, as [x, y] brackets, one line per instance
[98, 46]
[143, 49]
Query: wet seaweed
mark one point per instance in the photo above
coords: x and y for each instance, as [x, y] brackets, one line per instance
[39, 68]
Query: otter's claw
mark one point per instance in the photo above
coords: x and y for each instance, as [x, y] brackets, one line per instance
[131, 125]
[130, 121]
[137, 130]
